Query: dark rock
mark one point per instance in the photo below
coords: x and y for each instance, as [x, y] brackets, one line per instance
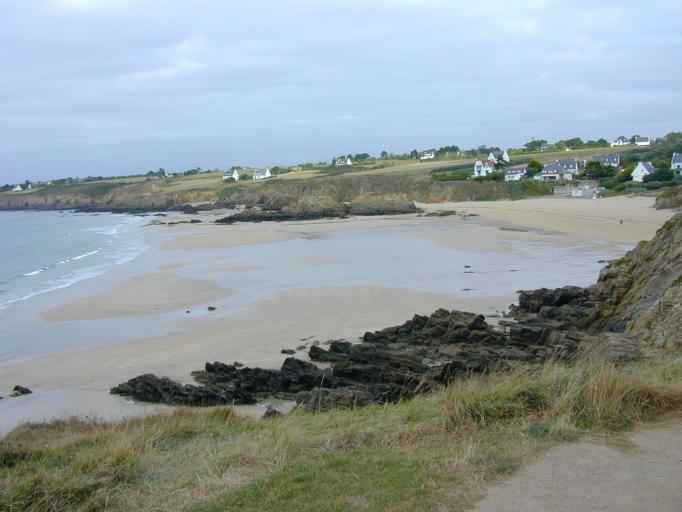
[149, 388]
[288, 351]
[20, 390]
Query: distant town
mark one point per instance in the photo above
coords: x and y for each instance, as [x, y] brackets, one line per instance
[616, 164]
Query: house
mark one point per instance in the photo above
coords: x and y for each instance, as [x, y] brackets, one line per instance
[261, 174]
[612, 159]
[642, 141]
[676, 164]
[344, 160]
[483, 167]
[620, 141]
[557, 172]
[641, 170]
[17, 188]
[496, 156]
[427, 155]
[515, 173]
[231, 175]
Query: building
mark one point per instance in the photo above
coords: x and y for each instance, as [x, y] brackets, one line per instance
[676, 164]
[427, 155]
[231, 175]
[344, 160]
[17, 188]
[643, 141]
[261, 174]
[483, 167]
[497, 156]
[642, 170]
[620, 141]
[554, 173]
[515, 173]
[612, 159]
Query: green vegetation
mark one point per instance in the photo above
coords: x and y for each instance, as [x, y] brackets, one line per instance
[436, 451]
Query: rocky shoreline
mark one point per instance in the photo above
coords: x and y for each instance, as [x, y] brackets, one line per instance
[633, 309]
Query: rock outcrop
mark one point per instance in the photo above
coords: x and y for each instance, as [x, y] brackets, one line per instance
[634, 308]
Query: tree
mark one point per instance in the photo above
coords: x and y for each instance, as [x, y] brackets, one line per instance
[534, 145]
[334, 162]
[534, 167]
[414, 154]
[384, 155]
[361, 156]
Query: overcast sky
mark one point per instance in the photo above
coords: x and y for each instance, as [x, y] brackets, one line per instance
[96, 87]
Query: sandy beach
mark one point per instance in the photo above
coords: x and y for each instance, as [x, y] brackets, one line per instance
[258, 311]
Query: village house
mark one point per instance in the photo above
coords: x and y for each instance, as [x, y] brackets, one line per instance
[483, 167]
[642, 141]
[344, 160]
[261, 174]
[642, 170]
[231, 175]
[17, 188]
[620, 141]
[676, 164]
[427, 155]
[556, 173]
[515, 173]
[497, 156]
[612, 159]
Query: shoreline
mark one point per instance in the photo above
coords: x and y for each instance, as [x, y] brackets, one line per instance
[283, 315]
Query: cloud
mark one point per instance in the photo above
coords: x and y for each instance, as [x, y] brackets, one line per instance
[131, 85]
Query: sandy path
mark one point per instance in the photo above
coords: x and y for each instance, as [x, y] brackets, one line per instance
[586, 476]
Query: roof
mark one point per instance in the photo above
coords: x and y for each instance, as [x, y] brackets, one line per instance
[497, 153]
[677, 158]
[485, 161]
[612, 159]
[260, 172]
[648, 167]
[516, 170]
[570, 163]
[555, 168]
[641, 139]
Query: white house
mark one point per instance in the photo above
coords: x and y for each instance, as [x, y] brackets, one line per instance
[496, 156]
[261, 174]
[483, 167]
[17, 188]
[344, 160]
[643, 141]
[620, 141]
[641, 170]
[676, 164]
[427, 155]
[231, 175]
[514, 173]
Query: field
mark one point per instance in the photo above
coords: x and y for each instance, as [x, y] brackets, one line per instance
[435, 452]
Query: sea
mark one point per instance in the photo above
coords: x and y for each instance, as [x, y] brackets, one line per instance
[46, 251]
[51, 258]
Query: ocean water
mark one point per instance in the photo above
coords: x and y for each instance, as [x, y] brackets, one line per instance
[46, 251]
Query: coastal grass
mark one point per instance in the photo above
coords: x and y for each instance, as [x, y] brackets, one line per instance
[435, 452]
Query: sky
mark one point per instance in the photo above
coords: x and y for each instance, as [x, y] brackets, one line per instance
[114, 87]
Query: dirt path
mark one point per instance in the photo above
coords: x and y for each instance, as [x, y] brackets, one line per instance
[645, 475]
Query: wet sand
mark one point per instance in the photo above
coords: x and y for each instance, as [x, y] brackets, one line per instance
[254, 333]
